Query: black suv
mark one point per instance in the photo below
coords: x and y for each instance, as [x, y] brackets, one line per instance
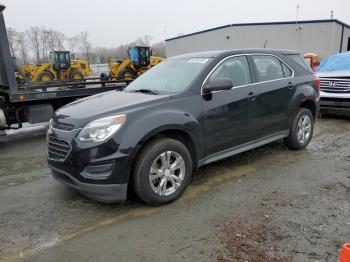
[186, 112]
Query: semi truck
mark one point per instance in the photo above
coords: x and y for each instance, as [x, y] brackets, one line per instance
[23, 101]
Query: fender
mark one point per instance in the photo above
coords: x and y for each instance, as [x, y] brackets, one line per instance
[303, 93]
[147, 125]
[143, 127]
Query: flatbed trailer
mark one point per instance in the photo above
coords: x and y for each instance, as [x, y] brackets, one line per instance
[34, 103]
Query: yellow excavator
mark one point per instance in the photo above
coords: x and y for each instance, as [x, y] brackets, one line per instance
[61, 68]
[140, 60]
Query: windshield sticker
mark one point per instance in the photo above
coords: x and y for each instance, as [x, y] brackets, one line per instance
[198, 60]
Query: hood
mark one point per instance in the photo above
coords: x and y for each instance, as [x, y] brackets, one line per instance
[82, 111]
[334, 74]
[336, 63]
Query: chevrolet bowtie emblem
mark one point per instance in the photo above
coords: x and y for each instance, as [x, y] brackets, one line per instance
[49, 131]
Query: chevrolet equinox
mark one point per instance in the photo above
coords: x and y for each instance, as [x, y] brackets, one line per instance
[184, 113]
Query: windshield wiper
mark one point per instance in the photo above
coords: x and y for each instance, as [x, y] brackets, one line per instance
[149, 91]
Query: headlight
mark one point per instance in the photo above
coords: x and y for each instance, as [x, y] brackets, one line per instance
[101, 129]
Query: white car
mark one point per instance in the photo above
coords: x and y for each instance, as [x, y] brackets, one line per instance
[334, 74]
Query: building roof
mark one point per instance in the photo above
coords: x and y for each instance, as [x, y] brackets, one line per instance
[266, 23]
[218, 53]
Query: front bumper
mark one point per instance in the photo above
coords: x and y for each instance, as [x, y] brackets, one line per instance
[335, 103]
[106, 193]
[100, 172]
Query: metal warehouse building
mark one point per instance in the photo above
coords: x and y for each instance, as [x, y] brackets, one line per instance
[323, 37]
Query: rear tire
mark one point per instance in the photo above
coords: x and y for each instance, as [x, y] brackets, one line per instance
[76, 75]
[127, 74]
[162, 171]
[45, 76]
[301, 131]
[3, 123]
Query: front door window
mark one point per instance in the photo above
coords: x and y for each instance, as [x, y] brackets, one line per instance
[234, 68]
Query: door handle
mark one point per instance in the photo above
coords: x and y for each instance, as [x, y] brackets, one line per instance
[290, 85]
[252, 96]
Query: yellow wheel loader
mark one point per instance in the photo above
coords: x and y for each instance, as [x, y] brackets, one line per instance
[27, 70]
[140, 60]
[61, 68]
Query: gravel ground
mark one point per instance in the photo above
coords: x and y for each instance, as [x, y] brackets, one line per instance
[268, 204]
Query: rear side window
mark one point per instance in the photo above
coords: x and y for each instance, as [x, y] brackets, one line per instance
[300, 61]
[268, 67]
[235, 68]
[286, 70]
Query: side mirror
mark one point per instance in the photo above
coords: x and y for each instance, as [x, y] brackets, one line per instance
[218, 84]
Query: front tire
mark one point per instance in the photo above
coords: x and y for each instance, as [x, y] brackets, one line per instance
[162, 172]
[76, 76]
[302, 130]
[45, 76]
[127, 74]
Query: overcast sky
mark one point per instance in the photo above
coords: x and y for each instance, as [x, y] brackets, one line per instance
[114, 22]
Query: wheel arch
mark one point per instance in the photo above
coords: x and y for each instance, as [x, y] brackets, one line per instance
[127, 69]
[74, 71]
[47, 72]
[169, 131]
[305, 96]
[310, 105]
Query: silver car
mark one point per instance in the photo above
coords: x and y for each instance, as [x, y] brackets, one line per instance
[334, 74]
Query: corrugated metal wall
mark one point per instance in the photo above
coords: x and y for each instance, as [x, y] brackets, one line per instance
[346, 40]
[320, 38]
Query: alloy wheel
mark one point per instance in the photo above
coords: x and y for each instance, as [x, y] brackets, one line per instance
[304, 129]
[167, 173]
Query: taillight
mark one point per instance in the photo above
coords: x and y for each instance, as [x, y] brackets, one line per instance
[317, 83]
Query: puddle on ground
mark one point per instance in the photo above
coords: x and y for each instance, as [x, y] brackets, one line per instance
[14, 166]
[217, 177]
[18, 181]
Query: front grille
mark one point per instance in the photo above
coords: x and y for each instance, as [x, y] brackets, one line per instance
[62, 126]
[57, 149]
[335, 85]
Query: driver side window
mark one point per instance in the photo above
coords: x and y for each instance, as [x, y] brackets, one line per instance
[234, 68]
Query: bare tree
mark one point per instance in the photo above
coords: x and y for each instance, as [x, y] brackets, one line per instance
[44, 46]
[43, 40]
[60, 39]
[121, 52]
[55, 40]
[144, 41]
[50, 40]
[72, 43]
[12, 35]
[101, 54]
[85, 44]
[23, 49]
[147, 39]
[159, 49]
[34, 37]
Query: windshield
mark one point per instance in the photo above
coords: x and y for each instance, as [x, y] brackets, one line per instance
[335, 63]
[170, 76]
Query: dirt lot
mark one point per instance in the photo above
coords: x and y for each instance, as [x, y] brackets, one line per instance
[269, 204]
